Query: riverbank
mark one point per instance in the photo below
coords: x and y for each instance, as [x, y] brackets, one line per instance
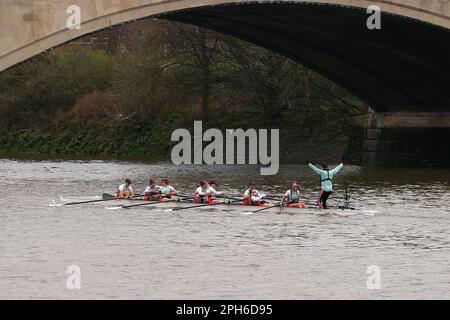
[141, 142]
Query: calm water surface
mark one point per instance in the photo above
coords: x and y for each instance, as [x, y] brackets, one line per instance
[211, 254]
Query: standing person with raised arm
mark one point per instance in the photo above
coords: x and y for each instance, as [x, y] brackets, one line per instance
[326, 181]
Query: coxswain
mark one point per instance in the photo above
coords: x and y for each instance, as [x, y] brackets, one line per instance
[326, 181]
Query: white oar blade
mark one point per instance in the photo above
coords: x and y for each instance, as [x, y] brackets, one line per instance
[369, 212]
[345, 214]
[168, 210]
[113, 208]
[54, 204]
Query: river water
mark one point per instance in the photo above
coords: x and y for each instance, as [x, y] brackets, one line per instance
[211, 254]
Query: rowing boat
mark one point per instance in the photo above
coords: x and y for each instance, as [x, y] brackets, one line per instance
[241, 209]
[233, 206]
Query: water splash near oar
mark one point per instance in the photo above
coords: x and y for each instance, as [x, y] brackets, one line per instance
[54, 204]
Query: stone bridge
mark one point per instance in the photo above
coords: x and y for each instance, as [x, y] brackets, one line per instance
[404, 66]
[402, 69]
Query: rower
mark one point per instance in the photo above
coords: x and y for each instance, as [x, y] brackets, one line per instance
[152, 192]
[214, 192]
[252, 197]
[202, 194]
[125, 191]
[292, 197]
[326, 181]
[167, 191]
[247, 194]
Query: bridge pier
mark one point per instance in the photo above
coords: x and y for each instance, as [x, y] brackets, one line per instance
[401, 140]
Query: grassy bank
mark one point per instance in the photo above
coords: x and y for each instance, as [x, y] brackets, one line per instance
[103, 140]
[99, 139]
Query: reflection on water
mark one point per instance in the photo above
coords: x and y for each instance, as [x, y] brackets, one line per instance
[144, 253]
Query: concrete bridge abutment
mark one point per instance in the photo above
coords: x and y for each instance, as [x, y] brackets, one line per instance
[401, 140]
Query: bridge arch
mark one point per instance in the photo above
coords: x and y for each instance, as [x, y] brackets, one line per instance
[402, 67]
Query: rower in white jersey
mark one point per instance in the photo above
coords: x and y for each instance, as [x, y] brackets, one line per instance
[167, 191]
[125, 191]
[153, 191]
[292, 197]
[213, 191]
[202, 193]
[252, 197]
[207, 192]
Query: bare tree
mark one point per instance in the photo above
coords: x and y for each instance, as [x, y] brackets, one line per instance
[194, 51]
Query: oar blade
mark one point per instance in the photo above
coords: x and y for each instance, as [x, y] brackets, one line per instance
[114, 208]
[369, 212]
[54, 204]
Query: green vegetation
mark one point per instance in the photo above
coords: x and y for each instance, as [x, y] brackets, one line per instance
[125, 100]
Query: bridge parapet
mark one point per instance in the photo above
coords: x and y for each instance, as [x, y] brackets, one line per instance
[28, 28]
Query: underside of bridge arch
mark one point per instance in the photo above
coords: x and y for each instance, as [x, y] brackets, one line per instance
[405, 66]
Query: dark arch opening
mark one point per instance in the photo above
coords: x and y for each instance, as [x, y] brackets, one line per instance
[402, 67]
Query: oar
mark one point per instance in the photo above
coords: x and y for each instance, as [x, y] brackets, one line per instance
[219, 197]
[105, 197]
[233, 197]
[195, 206]
[147, 204]
[309, 203]
[265, 208]
[230, 198]
[268, 197]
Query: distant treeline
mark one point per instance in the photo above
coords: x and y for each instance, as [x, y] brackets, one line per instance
[126, 96]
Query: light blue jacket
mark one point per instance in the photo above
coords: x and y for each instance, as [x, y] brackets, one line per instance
[326, 176]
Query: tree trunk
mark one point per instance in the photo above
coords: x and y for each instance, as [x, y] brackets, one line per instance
[206, 86]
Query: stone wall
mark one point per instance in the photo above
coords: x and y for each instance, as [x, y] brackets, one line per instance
[406, 147]
[409, 140]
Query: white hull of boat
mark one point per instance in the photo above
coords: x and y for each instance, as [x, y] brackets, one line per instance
[176, 206]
